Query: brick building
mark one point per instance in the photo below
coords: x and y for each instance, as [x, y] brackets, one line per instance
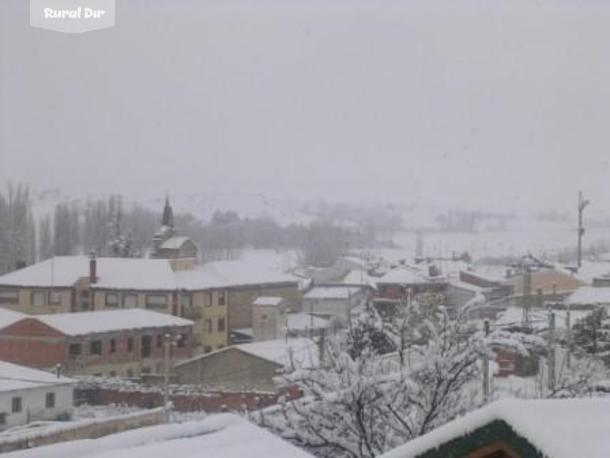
[111, 343]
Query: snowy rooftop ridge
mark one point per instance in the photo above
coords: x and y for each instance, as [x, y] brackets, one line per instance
[174, 243]
[112, 273]
[301, 352]
[144, 274]
[17, 377]
[80, 323]
[559, 428]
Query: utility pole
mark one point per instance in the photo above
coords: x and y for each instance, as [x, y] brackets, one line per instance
[527, 292]
[569, 326]
[551, 355]
[167, 341]
[582, 204]
[486, 369]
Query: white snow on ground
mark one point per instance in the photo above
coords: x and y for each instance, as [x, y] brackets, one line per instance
[559, 428]
[80, 323]
[217, 436]
[589, 295]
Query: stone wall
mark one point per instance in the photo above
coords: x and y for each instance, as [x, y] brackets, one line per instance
[85, 430]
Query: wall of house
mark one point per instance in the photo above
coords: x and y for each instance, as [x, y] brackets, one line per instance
[229, 369]
[24, 303]
[123, 362]
[99, 300]
[210, 311]
[33, 404]
[240, 301]
[32, 343]
[268, 322]
[89, 429]
[187, 263]
[334, 308]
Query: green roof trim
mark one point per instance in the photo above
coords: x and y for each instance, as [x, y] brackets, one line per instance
[496, 431]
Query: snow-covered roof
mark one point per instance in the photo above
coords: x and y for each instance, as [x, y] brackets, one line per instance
[216, 436]
[300, 352]
[174, 243]
[406, 275]
[539, 319]
[588, 270]
[558, 428]
[222, 274]
[16, 377]
[81, 323]
[8, 317]
[303, 321]
[360, 277]
[331, 292]
[112, 273]
[268, 301]
[589, 295]
[304, 352]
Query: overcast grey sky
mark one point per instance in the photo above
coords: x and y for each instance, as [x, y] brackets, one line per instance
[479, 102]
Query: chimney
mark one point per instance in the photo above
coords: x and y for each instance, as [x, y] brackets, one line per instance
[92, 268]
[58, 370]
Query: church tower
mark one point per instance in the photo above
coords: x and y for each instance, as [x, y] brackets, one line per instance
[166, 244]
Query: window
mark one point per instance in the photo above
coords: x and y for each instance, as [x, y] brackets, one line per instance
[129, 343]
[9, 296]
[208, 325]
[181, 341]
[112, 299]
[130, 300]
[207, 349]
[146, 346]
[219, 347]
[49, 400]
[221, 298]
[16, 405]
[95, 348]
[54, 297]
[129, 373]
[186, 300]
[159, 340]
[221, 325]
[2, 418]
[112, 345]
[112, 373]
[156, 300]
[207, 301]
[39, 298]
[74, 350]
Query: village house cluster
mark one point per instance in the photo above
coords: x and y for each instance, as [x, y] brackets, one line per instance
[226, 329]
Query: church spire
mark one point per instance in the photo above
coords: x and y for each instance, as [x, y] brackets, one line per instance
[168, 213]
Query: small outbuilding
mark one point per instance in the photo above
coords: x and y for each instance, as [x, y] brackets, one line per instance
[28, 395]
